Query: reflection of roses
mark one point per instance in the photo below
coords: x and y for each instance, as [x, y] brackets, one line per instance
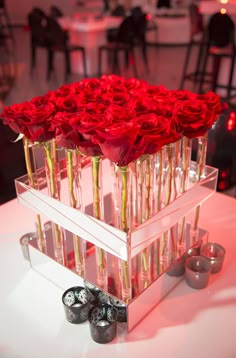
[192, 119]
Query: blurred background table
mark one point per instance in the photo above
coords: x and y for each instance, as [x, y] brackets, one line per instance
[89, 32]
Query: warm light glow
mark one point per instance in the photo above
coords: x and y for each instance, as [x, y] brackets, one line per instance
[224, 1]
[223, 11]
[224, 174]
[148, 17]
[231, 122]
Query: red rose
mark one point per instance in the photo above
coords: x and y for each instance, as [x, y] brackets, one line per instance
[70, 103]
[118, 143]
[192, 118]
[89, 84]
[154, 132]
[95, 107]
[31, 119]
[14, 115]
[64, 91]
[182, 95]
[142, 104]
[65, 135]
[37, 119]
[165, 109]
[134, 85]
[213, 102]
[119, 98]
[112, 81]
[158, 93]
[115, 113]
[86, 124]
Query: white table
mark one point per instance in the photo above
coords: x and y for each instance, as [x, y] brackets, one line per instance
[90, 33]
[188, 323]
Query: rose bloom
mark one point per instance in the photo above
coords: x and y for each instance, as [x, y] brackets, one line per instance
[91, 84]
[155, 132]
[182, 95]
[115, 113]
[86, 124]
[118, 143]
[112, 81]
[72, 103]
[13, 116]
[192, 118]
[33, 119]
[65, 135]
[115, 97]
[213, 102]
[142, 104]
[64, 91]
[158, 93]
[133, 85]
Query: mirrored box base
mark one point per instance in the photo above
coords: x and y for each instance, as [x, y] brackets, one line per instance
[65, 276]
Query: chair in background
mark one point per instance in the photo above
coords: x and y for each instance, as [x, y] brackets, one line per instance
[58, 41]
[6, 25]
[220, 44]
[119, 11]
[55, 12]
[123, 42]
[37, 21]
[196, 40]
[152, 27]
[140, 20]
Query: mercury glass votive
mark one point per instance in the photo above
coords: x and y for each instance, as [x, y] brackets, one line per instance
[99, 296]
[102, 323]
[120, 308]
[215, 253]
[77, 302]
[177, 269]
[197, 271]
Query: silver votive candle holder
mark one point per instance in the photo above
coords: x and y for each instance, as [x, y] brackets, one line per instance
[102, 323]
[77, 302]
[24, 241]
[215, 253]
[197, 271]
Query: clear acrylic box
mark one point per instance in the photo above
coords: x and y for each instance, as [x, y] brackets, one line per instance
[118, 244]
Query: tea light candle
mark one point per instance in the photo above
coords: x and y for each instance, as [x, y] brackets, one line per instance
[215, 253]
[76, 305]
[197, 271]
[102, 323]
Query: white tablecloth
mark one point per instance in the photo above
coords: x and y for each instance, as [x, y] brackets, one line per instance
[188, 323]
